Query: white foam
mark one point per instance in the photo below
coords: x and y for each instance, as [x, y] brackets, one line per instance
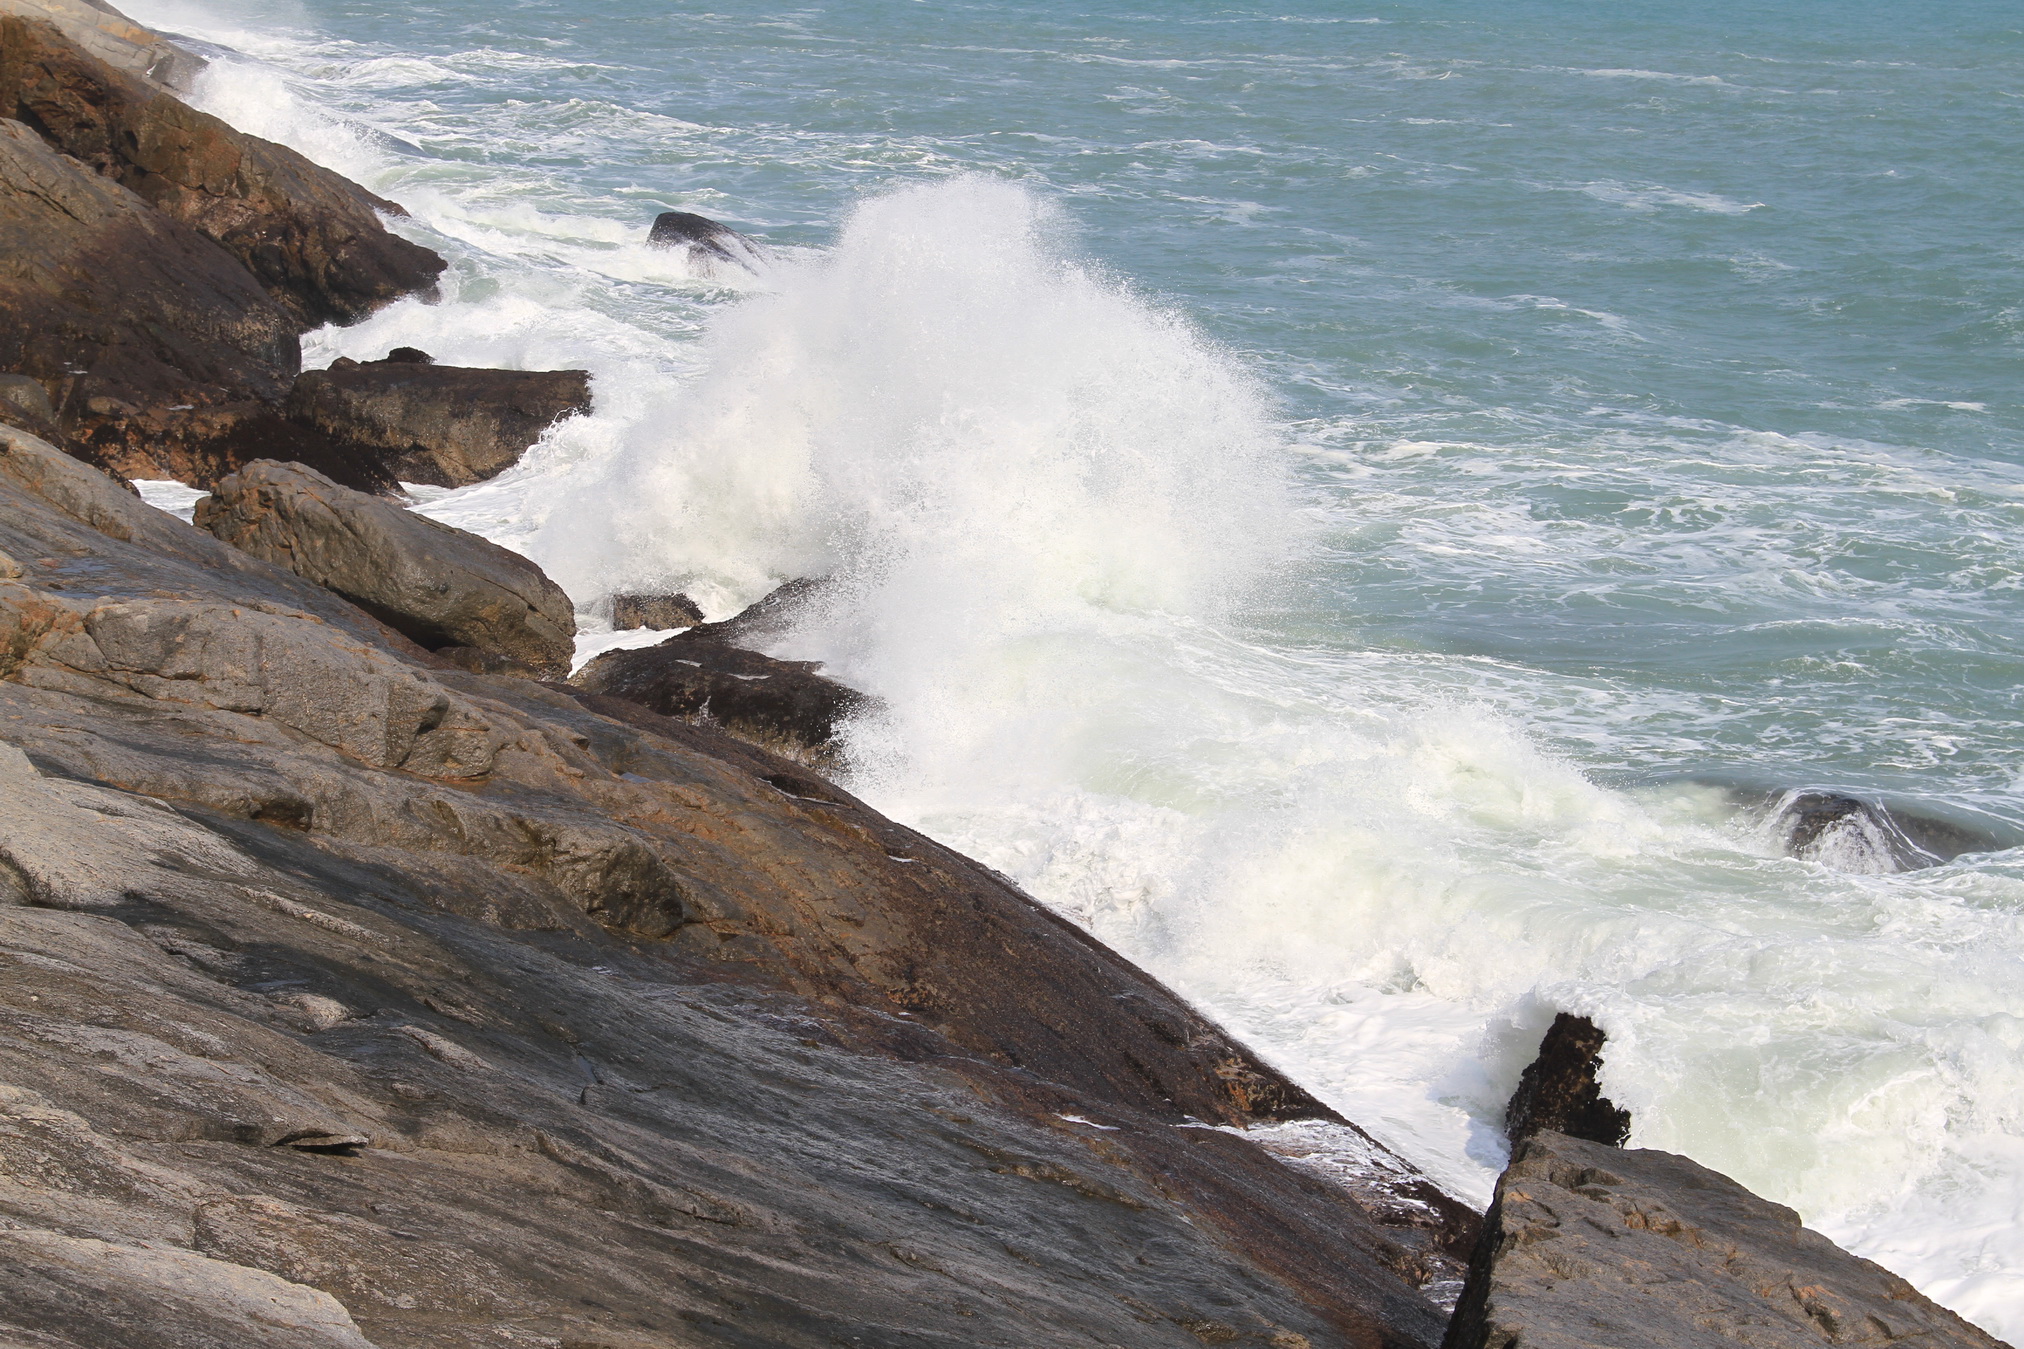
[166, 494]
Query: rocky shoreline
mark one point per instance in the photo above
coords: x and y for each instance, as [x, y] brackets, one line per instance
[370, 982]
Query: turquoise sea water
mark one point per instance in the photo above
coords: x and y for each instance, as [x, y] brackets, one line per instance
[1331, 495]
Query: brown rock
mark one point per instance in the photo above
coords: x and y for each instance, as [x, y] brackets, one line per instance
[657, 612]
[1558, 1090]
[440, 586]
[444, 425]
[111, 302]
[311, 237]
[113, 38]
[1593, 1247]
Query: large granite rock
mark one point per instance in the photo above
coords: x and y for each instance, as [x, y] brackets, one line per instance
[1593, 1247]
[626, 1034]
[312, 237]
[444, 425]
[108, 303]
[447, 590]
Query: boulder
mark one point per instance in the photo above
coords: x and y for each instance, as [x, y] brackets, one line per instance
[114, 306]
[440, 586]
[783, 705]
[711, 675]
[444, 425]
[709, 245]
[311, 237]
[110, 36]
[1592, 1247]
[657, 612]
[1558, 1090]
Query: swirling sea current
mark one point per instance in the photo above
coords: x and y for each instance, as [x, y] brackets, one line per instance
[1366, 509]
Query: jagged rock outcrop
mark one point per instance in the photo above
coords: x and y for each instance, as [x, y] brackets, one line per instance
[1592, 1247]
[710, 246]
[109, 304]
[312, 237]
[657, 612]
[597, 1029]
[1559, 1091]
[444, 425]
[452, 592]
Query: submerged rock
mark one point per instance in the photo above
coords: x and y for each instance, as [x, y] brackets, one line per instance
[440, 586]
[657, 612]
[1849, 833]
[1588, 1246]
[444, 425]
[709, 244]
[1558, 1090]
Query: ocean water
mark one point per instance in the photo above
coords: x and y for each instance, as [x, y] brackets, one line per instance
[1358, 505]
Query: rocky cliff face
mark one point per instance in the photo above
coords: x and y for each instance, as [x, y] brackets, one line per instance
[397, 1004]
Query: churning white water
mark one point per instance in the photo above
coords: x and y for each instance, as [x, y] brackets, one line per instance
[1376, 699]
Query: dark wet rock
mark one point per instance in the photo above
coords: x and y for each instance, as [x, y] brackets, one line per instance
[784, 705]
[353, 998]
[311, 237]
[1852, 834]
[440, 586]
[1558, 1090]
[405, 356]
[709, 244]
[1589, 1246]
[444, 425]
[112, 306]
[656, 612]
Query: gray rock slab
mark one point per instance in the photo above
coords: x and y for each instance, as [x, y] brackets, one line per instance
[441, 586]
[1595, 1247]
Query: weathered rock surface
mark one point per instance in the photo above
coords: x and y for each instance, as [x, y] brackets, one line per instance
[1558, 1090]
[109, 304]
[710, 245]
[440, 586]
[110, 36]
[594, 1028]
[1593, 1247]
[311, 237]
[657, 612]
[445, 425]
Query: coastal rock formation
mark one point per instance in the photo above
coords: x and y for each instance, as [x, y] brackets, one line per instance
[657, 612]
[110, 36]
[110, 304]
[312, 237]
[444, 425]
[1558, 1090]
[442, 587]
[709, 245]
[1588, 1245]
[463, 1008]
